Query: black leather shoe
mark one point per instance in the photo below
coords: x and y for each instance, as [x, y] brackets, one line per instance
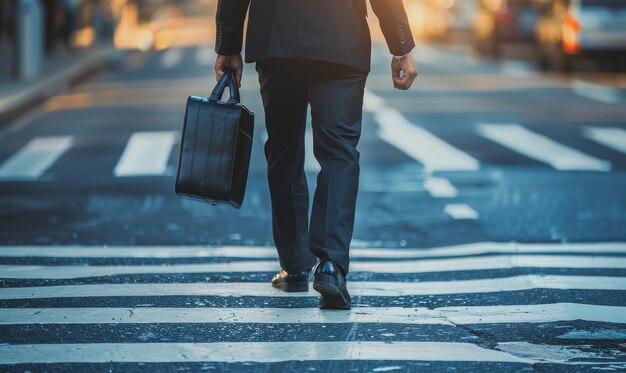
[292, 281]
[329, 280]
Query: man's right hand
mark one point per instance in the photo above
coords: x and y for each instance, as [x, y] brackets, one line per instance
[232, 62]
[407, 66]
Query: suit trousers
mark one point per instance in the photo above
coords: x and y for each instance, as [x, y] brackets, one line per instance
[335, 94]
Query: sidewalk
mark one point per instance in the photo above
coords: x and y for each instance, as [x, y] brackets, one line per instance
[59, 72]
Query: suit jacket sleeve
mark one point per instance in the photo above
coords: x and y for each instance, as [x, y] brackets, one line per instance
[229, 26]
[394, 24]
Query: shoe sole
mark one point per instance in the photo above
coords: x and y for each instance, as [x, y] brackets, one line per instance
[292, 286]
[332, 296]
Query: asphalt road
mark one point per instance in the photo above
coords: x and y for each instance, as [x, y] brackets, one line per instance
[488, 229]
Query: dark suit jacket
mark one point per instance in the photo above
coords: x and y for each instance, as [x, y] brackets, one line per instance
[330, 30]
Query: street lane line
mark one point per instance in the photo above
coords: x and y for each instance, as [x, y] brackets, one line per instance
[461, 315]
[171, 58]
[419, 144]
[357, 288]
[541, 148]
[611, 137]
[262, 352]
[146, 153]
[35, 158]
[263, 252]
[596, 92]
[439, 187]
[204, 55]
[406, 266]
[460, 211]
[310, 162]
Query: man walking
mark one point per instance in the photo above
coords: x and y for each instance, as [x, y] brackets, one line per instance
[313, 52]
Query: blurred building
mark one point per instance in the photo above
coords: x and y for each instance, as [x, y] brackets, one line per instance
[36, 29]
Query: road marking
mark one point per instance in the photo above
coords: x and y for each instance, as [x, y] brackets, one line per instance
[516, 68]
[439, 187]
[357, 288]
[171, 58]
[560, 354]
[460, 211]
[205, 55]
[541, 148]
[260, 252]
[406, 266]
[434, 153]
[262, 352]
[463, 315]
[310, 162]
[35, 158]
[596, 92]
[146, 153]
[612, 137]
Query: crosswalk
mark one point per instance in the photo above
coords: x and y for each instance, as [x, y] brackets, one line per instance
[148, 153]
[92, 312]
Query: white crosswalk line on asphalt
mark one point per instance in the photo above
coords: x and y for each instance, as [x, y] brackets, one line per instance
[434, 153]
[612, 137]
[263, 252]
[439, 187]
[406, 266]
[172, 57]
[357, 288]
[35, 158]
[460, 211]
[596, 92]
[310, 162]
[250, 352]
[205, 55]
[146, 154]
[464, 315]
[541, 148]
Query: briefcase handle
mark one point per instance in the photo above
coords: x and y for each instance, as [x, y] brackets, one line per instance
[228, 78]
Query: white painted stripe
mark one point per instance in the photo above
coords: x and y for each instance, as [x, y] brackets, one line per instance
[146, 153]
[560, 354]
[310, 162]
[439, 187]
[205, 55]
[406, 266]
[372, 102]
[596, 92]
[419, 144]
[612, 137]
[516, 68]
[270, 252]
[541, 148]
[236, 315]
[34, 158]
[464, 315]
[460, 211]
[171, 58]
[262, 352]
[357, 288]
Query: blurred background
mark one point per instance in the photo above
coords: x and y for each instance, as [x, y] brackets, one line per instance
[513, 131]
[553, 34]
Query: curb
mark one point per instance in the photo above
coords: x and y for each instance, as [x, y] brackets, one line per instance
[18, 104]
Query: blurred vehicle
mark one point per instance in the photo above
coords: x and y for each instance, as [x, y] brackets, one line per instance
[430, 19]
[504, 21]
[572, 29]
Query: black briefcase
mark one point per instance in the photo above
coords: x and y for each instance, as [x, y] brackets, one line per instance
[215, 147]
